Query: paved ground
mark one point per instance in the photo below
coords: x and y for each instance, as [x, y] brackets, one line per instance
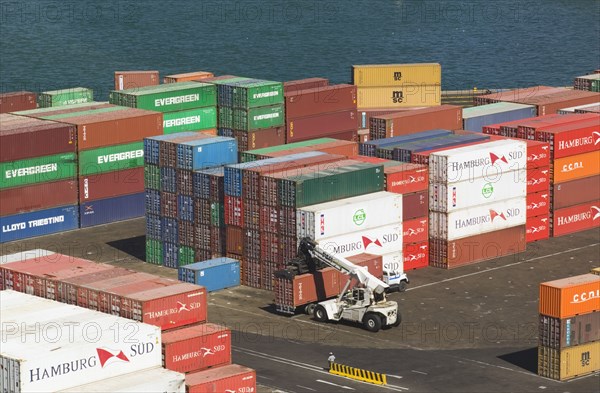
[473, 329]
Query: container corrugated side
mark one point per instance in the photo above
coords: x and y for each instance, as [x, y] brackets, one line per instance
[190, 120]
[478, 219]
[72, 359]
[38, 170]
[303, 84]
[377, 241]
[167, 98]
[206, 153]
[214, 274]
[396, 74]
[576, 167]
[39, 223]
[17, 101]
[477, 117]
[187, 76]
[575, 218]
[104, 211]
[397, 97]
[151, 380]
[569, 332]
[569, 363]
[111, 158]
[230, 378]
[39, 138]
[349, 215]
[18, 200]
[570, 296]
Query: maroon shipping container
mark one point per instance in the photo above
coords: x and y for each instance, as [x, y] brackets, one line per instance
[196, 347]
[575, 218]
[269, 219]
[235, 240]
[125, 80]
[186, 234]
[516, 95]
[251, 176]
[215, 78]
[575, 192]
[287, 226]
[528, 128]
[304, 128]
[538, 179]
[202, 211]
[448, 117]
[321, 100]
[17, 101]
[167, 150]
[415, 230]
[251, 244]
[415, 205]
[185, 185]
[302, 84]
[35, 138]
[363, 135]
[202, 237]
[350, 135]
[365, 115]
[168, 204]
[217, 241]
[258, 139]
[538, 204]
[234, 211]
[230, 378]
[55, 289]
[111, 184]
[455, 253]
[341, 147]
[38, 196]
[568, 332]
[69, 287]
[553, 102]
[251, 218]
[67, 109]
[269, 247]
[251, 273]
[113, 128]
[267, 278]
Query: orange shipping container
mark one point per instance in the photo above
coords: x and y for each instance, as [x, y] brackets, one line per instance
[576, 167]
[188, 76]
[570, 296]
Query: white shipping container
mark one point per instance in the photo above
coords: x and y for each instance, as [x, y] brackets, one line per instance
[348, 215]
[377, 241]
[471, 162]
[72, 350]
[393, 262]
[24, 255]
[449, 197]
[154, 380]
[479, 219]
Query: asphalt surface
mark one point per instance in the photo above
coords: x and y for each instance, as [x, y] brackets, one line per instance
[472, 329]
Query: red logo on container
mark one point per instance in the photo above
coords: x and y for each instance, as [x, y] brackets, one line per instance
[367, 242]
[182, 307]
[597, 215]
[495, 158]
[105, 355]
[494, 214]
[596, 135]
[207, 351]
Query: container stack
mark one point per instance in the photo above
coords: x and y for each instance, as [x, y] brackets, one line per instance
[186, 106]
[38, 165]
[588, 108]
[304, 84]
[187, 344]
[569, 327]
[324, 145]
[398, 85]
[324, 111]
[17, 101]
[252, 111]
[588, 82]
[478, 203]
[184, 211]
[126, 80]
[75, 95]
[477, 117]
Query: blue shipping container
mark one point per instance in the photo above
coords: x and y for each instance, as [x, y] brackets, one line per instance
[234, 173]
[105, 211]
[152, 145]
[168, 179]
[185, 207]
[170, 230]
[153, 227]
[170, 255]
[152, 201]
[201, 181]
[214, 274]
[370, 148]
[228, 132]
[477, 117]
[39, 223]
[206, 153]
[405, 152]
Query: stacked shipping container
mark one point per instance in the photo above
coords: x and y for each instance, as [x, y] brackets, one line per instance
[213, 274]
[17, 101]
[588, 82]
[127, 80]
[72, 96]
[569, 327]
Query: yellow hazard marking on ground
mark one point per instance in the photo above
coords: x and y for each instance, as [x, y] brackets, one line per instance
[358, 374]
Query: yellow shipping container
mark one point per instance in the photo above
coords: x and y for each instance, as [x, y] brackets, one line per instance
[596, 271]
[399, 97]
[386, 75]
[569, 363]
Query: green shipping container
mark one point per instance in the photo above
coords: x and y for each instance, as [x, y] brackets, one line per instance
[76, 95]
[83, 113]
[253, 155]
[260, 93]
[257, 118]
[152, 177]
[38, 170]
[186, 256]
[111, 158]
[167, 98]
[332, 184]
[190, 120]
[154, 251]
[596, 86]
[217, 214]
[225, 117]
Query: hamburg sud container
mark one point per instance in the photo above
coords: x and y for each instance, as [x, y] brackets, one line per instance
[196, 348]
[17, 101]
[571, 296]
[342, 216]
[135, 79]
[151, 380]
[73, 357]
[214, 274]
[576, 218]
[229, 378]
[75, 95]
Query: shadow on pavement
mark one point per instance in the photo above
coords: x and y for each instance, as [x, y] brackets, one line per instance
[526, 359]
[134, 246]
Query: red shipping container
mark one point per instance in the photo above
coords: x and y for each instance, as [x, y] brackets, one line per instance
[365, 115]
[251, 273]
[135, 79]
[38, 196]
[258, 139]
[37, 138]
[538, 228]
[111, 184]
[327, 283]
[515, 95]
[576, 218]
[251, 217]
[269, 247]
[235, 240]
[416, 255]
[527, 129]
[571, 139]
[68, 293]
[351, 135]
[17, 101]
[320, 100]
[234, 211]
[196, 348]
[230, 378]
[575, 192]
[415, 205]
[406, 178]
[423, 157]
[538, 154]
[92, 295]
[446, 117]
[288, 246]
[302, 84]
[538, 180]
[53, 282]
[538, 204]
[415, 230]
[303, 128]
[168, 204]
[287, 221]
[269, 219]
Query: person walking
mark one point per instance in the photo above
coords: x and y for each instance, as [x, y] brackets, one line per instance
[331, 359]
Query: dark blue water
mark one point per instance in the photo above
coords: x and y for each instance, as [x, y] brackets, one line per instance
[59, 44]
